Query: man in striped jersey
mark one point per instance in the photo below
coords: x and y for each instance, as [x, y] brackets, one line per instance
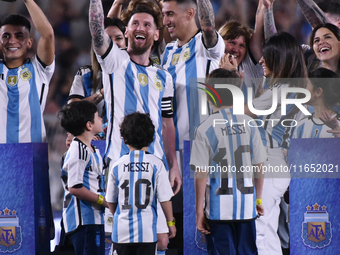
[191, 56]
[84, 180]
[133, 83]
[24, 82]
[226, 155]
[136, 180]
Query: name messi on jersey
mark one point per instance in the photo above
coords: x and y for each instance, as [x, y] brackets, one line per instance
[233, 130]
[137, 167]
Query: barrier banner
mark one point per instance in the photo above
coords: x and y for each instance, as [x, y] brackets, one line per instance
[313, 195]
[25, 210]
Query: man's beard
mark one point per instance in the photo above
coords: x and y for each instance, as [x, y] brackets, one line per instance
[139, 50]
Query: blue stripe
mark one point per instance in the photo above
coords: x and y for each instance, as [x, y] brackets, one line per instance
[117, 212]
[161, 75]
[132, 181]
[172, 71]
[139, 211]
[299, 131]
[232, 163]
[71, 215]
[12, 129]
[87, 212]
[87, 81]
[192, 90]
[238, 139]
[34, 102]
[130, 99]
[166, 54]
[86, 176]
[215, 181]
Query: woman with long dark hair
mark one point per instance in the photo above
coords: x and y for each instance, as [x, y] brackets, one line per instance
[283, 65]
[325, 42]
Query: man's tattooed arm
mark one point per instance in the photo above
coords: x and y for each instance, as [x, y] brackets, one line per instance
[313, 14]
[100, 39]
[207, 21]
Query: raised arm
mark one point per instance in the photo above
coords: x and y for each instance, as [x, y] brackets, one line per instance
[116, 9]
[207, 21]
[269, 23]
[101, 41]
[46, 48]
[313, 14]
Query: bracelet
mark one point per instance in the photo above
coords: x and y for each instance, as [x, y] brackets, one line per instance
[259, 201]
[171, 223]
[99, 93]
[100, 199]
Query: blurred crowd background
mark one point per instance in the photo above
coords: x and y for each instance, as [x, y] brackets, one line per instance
[69, 19]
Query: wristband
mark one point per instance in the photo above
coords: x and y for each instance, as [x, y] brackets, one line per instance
[99, 93]
[171, 223]
[259, 201]
[100, 199]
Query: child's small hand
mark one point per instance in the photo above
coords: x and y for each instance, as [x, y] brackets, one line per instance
[172, 231]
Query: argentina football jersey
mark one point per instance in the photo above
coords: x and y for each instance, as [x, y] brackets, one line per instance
[82, 167]
[130, 87]
[136, 180]
[23, 93]
[313, 128]
[186, 63]
[225, 146]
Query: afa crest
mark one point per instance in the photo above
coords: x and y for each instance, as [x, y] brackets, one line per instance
[175, 59]
[25, 75]
[12, 80]
[186, 54]
[10, 231]
[143, 79]
[158, 83]
[155, 59]
[316, 228]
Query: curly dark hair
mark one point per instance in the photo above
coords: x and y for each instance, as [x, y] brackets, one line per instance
[144, 6]
[137, 130]
[75, 115]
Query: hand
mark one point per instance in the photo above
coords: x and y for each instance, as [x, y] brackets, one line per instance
[228, 62]
[172, 231]
[260, 210]
[175, 179]
[329, 122]
[267, 3]
[202, 224]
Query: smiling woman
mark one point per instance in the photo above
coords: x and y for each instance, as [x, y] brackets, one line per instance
[325, 41]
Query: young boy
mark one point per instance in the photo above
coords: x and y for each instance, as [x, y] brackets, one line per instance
[83, 213]
[227, 200]
[135, 181]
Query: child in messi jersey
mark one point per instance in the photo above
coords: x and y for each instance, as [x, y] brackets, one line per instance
[84, 202]
[229, 200]
[136, 182]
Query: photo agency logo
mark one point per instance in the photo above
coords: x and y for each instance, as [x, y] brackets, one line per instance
[219, 93]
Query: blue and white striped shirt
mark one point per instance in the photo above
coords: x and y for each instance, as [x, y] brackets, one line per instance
[23, 93]
[226, 141]
[82, 168]
[130, 87]
[185, 64]
[136, 182]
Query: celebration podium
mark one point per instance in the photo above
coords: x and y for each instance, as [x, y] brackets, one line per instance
[25, 210]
